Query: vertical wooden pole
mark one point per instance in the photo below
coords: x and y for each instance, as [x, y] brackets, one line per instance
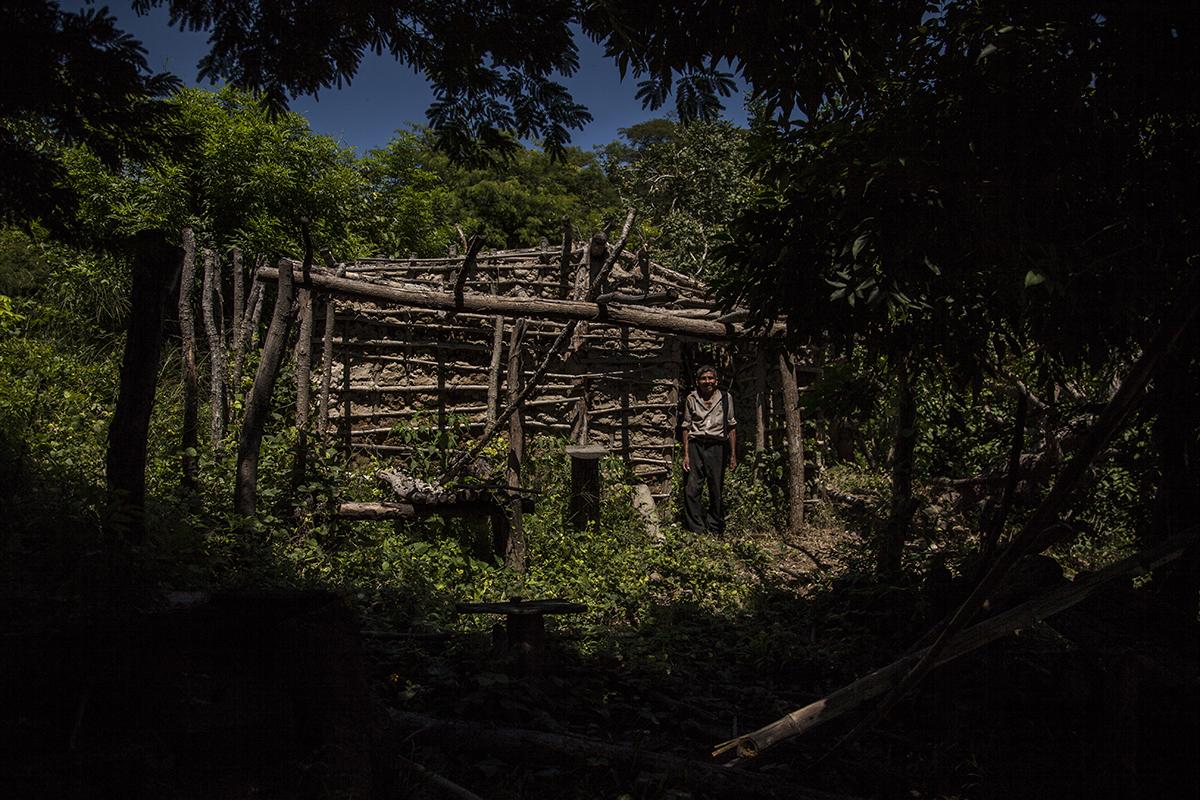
[303, 355]
[211, 314]
[515, 553]
[250, 320]
[564, 262]
[493, 386]
[795, 445]
[347, 407]
[443, 443]
[760, 400]
[624, 399]
[238, 311]
[187, 333]
[327, 361]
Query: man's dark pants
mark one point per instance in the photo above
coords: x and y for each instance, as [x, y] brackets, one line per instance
[708, 458]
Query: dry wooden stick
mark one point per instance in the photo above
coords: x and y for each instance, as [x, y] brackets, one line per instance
[876, 683]
[555, 352]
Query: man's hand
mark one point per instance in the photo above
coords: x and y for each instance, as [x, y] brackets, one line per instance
[732, 461]
[687, 465]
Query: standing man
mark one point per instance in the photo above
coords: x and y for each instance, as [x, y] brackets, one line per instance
[709, 443]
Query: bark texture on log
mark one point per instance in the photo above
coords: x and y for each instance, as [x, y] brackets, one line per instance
[154, 265]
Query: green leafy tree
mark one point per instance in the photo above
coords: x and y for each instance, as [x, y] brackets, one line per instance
[70, 78]
[690, 180]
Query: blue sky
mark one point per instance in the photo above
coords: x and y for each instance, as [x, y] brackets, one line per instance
[386, 96]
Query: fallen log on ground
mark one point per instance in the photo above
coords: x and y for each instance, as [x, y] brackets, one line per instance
[881, 680]
[520, 744]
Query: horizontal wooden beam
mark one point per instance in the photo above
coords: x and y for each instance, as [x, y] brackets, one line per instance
[644, 319]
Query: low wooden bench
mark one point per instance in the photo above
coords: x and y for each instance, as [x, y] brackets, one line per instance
[525, 625]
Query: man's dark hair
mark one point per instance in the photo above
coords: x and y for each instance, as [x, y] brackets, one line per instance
[707, 368]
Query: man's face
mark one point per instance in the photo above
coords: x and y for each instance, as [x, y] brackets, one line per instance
[706, 383]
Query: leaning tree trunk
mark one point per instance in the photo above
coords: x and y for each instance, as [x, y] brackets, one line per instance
[154, 265]
[214, 328]
[187, 335]
[259, 401]
[895, 533]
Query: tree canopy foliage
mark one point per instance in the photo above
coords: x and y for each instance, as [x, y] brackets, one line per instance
[71, 78]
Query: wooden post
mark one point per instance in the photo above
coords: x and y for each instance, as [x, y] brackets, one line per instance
[347, 408]
[514, 551]
[327, 355]
[303, 355]
[250, 320]
[211, 313]
[239, 295]
[795, 445]
[760, 400]
[493, 392]
[564, 262]
[187, 333]
[584, 505]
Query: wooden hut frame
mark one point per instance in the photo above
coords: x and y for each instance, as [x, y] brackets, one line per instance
[424, 337]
